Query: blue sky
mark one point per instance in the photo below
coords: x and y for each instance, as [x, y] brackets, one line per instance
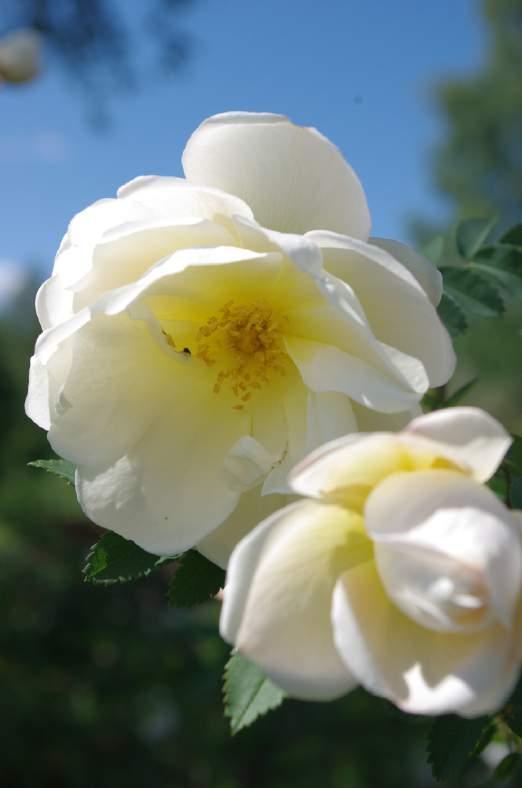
[359, 70]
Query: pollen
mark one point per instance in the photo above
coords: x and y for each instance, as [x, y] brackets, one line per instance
[244, 344]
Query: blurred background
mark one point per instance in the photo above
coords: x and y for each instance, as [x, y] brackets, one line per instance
[110, 687]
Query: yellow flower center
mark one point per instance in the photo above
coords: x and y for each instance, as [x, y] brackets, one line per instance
[244, 343]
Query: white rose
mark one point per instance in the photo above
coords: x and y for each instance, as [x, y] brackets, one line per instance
[190, 356]
[400, 572]
[20, 56]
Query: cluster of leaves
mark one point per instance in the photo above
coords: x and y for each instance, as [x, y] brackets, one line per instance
[247, 692]
[482, 275]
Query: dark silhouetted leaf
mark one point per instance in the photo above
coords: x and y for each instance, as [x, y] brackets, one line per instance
[454, 741]
[196, 581]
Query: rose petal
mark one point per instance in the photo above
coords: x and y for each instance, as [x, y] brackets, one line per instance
[397, 308]
[468, 436]
[421, 671]
[292, 177]
[278, 596]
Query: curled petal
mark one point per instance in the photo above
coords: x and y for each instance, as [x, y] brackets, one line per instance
[468, 436]
[421, 671]
[447, 548]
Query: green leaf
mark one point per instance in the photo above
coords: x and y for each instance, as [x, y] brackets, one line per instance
[453, 742]
[507, 766]
[471, 234]
[434, 249]
[62, 468]
[502, 264]
[457, 395]
[472, 291]
[117, 560]
[248, 693]
[452, 315]
[513, 236]
[196, 581]
[512, 711]
[514, 455]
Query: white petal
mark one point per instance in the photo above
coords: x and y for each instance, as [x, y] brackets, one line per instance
[170, 488]
[180, 201]
[446, 519]
[397, 308]
[292, 177]
[54, 303]
[467, 436]
[294, 429]
[326, 368]
[328, 415]
[247, 463]
[348, 467]
[421, 671]
[426, 274]
[278, 596]
[372, 421]
[74, 257]
[127, 251]
[253, 507]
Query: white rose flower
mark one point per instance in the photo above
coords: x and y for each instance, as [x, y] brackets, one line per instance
[201, 335]
[401, 571]
[20, 55]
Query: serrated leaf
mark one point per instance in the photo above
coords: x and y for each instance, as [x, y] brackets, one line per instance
[248, 693]
[453, 743]
[117, 560]
[452, 315]
[472, 291]
[513, 236]
[472, 234]
[62, 468]
[507, 766]
[502, 264]
[196, 581]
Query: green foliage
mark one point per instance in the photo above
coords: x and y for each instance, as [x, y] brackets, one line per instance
[455, 398]
[248, 693]
[471, 291]
[195, 581]
[434, 249]
[117, 560]
[454, 741]
[472, 234]
[484, 279]
[452, 315]
[478, 163]
[512, 712]
[513, 236]
[514, 456]
[62, 468]
[508, 766]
